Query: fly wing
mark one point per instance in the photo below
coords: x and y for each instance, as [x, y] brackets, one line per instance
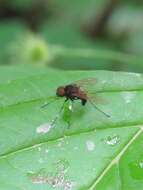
[86, 82]
[88, 85]
[96, 98]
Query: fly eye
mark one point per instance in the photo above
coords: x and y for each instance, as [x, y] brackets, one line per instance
[60, 91]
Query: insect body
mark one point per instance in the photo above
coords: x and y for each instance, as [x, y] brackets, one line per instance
[72, 92]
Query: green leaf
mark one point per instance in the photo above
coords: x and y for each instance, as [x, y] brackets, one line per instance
[95, 152]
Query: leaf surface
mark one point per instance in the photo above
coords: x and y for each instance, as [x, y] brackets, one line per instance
[95, 152]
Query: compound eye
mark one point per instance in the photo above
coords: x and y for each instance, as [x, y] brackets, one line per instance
[60, 91]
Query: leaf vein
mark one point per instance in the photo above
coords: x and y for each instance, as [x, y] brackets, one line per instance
[116, 159]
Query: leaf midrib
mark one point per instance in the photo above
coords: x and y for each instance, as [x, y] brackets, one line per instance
[103, 173]
[47, 97]
[25, 148]
[116, 159]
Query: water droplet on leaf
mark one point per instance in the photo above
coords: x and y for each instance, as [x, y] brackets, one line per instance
[44, 128]
[112, 140]
[56, 179]
[141, 164]
[128, 96]
[39, 148]
[62, 165]
[90, 145]
[47, 150]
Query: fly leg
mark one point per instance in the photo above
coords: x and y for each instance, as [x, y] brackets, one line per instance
[53, 100]
[61, 109]
[71, 107]
[57, 116]
[98, 109]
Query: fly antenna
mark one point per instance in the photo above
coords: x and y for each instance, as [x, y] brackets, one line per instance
[99, 109]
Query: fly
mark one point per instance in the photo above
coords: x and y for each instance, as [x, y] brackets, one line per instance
[75, 92]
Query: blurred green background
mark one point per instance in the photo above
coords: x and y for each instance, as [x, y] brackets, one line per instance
[72, 35]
